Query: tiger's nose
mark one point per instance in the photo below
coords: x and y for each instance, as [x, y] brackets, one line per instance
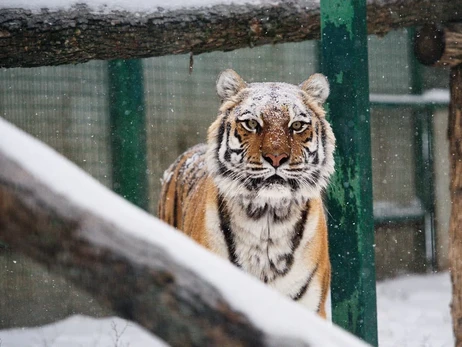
[276, 160]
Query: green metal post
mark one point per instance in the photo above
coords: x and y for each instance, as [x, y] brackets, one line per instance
[351, 226]
[128, 130]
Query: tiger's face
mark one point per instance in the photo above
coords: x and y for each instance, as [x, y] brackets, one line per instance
[271, 144]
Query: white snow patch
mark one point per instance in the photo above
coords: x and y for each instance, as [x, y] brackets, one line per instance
[78, 331]
[141, 6]
[413, 311]
[265, 308]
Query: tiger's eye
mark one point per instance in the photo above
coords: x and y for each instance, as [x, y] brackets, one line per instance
[252, 124]
[297, 126]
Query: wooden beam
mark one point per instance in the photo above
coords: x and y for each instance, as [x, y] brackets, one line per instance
[439, 46]
[80, 34]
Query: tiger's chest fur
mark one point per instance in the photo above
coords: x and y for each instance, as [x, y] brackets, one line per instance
[263, 238]
[252, 194]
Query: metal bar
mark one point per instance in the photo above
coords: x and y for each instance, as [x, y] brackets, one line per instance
[351, 226]
[128, 130]
[434, 98]
[424, 181]
[423, 144]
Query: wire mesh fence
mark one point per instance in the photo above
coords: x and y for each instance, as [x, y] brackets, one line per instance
[64, 106]
[67, 108]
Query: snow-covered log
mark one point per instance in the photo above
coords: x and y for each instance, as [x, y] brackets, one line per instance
[136, 265]
[50, 32]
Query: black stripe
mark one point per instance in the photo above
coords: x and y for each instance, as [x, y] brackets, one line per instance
[228, 130]
[256, 213]
[309, 138]
[175, 209]
[227, 155]
[315, 175]
[315, 159]
[225, 225]
[221, 133]
[221, 167]
[304, 288]
[316, 153]
[294, 184]
[323, 141]
[300, 227]
[298, 235]
[295, 242]
[253, 183]
[236, 135]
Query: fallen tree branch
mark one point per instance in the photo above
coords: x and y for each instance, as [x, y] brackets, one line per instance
[134, 264]
[80, 34]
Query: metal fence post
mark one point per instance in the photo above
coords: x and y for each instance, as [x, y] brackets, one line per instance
[423, 141]
[351, 230]
[128, 130]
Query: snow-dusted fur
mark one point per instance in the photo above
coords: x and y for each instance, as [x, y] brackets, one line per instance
[253, 193]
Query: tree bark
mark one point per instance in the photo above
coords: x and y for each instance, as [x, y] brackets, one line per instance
[139, 280]
[53, 37]
[439, 46]
[455, 227]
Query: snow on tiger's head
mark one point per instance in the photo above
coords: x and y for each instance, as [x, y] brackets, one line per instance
[271, 141]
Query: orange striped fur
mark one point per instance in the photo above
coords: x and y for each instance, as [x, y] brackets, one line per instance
[252, 194]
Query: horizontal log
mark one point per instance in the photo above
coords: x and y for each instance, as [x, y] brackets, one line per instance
[439, 46]
[136, 265]
[79, 34]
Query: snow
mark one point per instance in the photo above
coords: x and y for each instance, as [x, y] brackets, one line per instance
[146, 6]
[82, 331]
[413, 311]
[66, 179]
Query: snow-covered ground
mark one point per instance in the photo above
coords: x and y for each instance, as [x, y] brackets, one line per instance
[81, 331]
[413, 311]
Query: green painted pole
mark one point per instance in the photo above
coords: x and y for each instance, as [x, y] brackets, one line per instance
[128, 130]
[351, 226]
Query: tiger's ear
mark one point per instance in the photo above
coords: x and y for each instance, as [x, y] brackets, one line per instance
[317, 86]
[229, 83]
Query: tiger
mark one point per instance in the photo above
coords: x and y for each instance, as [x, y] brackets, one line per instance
[253, 193]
